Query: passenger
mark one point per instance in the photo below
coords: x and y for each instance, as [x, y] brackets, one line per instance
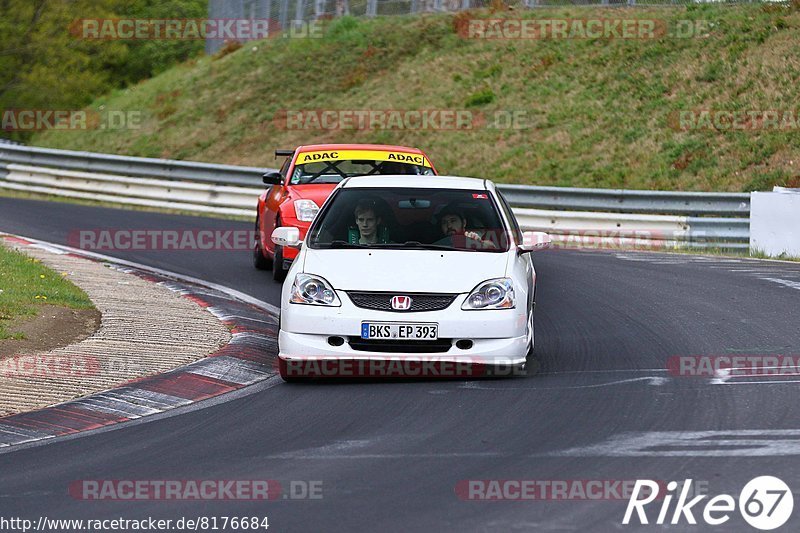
[453, 225]
[396, 168]
[370, 228]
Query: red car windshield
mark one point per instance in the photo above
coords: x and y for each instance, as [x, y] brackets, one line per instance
[336, 171]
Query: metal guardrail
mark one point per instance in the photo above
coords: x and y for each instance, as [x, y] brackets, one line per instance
[676, 218]
[629, 201]
[131, 166]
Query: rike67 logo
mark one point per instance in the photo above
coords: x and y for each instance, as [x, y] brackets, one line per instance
[765, 503]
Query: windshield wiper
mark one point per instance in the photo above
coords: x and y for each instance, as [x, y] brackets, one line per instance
[344, 244]
[421, 246]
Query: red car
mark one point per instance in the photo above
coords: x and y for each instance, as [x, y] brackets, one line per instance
[307, 178]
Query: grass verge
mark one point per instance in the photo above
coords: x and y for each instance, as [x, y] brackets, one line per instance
[25, 283]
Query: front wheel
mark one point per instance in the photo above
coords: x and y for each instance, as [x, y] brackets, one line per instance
[278, 272]
[283, 370]
[260, 261]
[532, 365]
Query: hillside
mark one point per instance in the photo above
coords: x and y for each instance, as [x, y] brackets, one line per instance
[600, 112]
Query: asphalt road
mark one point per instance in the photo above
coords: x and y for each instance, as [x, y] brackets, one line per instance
[390, 455]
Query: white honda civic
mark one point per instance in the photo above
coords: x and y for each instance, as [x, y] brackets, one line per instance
[408, 268]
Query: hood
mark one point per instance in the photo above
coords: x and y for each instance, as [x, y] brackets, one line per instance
[318, 192]
[404, 270]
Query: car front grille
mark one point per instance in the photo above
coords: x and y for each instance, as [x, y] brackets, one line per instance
[382, 301]
[399, 346]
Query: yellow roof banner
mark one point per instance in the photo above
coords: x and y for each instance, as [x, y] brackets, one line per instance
[369, 155]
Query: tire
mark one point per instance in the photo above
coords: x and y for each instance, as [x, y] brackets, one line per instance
[284, 373]
[532, 365]
[260, 261]
[530, 325]
[278, 272]
[530, 344]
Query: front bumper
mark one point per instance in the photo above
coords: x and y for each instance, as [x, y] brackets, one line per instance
[497, 336]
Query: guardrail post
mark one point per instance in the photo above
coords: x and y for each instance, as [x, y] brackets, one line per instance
[319, 9]
[283, 15]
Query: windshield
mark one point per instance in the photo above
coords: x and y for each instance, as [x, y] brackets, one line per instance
[336, 171]
[402, 218]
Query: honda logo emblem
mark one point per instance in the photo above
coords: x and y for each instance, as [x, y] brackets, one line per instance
[401, 303]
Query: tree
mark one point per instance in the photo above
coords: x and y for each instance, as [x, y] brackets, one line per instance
[45, 65]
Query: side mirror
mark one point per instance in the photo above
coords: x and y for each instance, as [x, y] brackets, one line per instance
[534, 240]
[286, 236]
[272, 178]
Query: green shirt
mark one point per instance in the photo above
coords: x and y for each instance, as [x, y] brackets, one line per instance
[353, 235]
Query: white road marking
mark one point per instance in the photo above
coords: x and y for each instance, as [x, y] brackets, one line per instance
[651, 380]
[786, 282]
[771, 381]
[720, 443]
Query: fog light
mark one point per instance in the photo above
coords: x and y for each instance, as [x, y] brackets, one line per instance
[335, 341]
[464, 344]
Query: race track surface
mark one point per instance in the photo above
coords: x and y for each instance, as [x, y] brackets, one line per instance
[390, 455]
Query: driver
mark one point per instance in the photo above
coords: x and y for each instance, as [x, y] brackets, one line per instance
[370, 228]
[453, 225]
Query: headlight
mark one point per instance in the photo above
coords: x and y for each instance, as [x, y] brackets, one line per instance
[313, 290]
[305, 210]
[491, 294]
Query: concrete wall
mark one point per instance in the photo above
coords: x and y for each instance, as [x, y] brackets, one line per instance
[775, 223]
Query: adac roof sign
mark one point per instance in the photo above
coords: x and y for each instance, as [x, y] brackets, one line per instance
[369, 155]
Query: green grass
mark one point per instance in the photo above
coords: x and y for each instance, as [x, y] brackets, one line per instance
[599, 112]
[26, 284]
[760, 254]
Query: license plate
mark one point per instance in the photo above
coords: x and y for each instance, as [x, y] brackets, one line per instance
[394, 330]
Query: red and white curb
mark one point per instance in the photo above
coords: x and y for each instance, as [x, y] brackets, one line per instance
[249, 358]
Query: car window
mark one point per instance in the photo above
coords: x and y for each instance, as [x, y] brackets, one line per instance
[285, 167]
[336, 171]
[446, 219]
